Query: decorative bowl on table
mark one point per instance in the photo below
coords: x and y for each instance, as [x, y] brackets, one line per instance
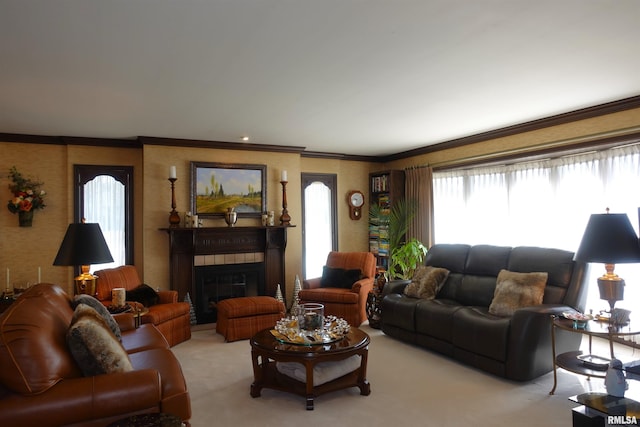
[580, 320]
[287, 330]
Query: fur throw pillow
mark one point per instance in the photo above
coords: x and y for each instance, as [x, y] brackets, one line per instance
[517, 290]
[93, 345]
[426, 282]
[144, 294]
[102, 311]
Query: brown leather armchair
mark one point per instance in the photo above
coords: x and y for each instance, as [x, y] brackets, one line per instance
[347, 303]
[171, 317]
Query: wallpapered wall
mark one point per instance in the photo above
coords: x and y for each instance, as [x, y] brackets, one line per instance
[23, 250]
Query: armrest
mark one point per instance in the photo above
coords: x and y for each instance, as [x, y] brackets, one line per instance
[167, 297]
[394, 287]
[126, 321]
[363, 287]
[530, 343]
[311, 283]
[77, 400]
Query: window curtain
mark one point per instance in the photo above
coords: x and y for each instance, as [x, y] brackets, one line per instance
[419, 190]
[544, 203]
[104, 200]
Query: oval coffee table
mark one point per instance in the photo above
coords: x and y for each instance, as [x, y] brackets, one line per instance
[266, 351]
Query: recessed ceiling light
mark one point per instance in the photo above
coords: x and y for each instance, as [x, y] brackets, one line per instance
[244, 138]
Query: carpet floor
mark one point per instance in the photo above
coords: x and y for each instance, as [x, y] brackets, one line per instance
[410, 386]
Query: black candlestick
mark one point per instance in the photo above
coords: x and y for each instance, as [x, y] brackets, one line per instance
[174, 218]
[285, 219]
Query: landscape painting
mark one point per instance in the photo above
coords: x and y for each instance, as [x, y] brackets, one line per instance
[218, 186]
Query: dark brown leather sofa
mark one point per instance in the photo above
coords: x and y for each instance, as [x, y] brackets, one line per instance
[458, 324]
[42, 385]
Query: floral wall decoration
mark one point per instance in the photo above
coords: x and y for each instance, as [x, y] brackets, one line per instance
[27, 197]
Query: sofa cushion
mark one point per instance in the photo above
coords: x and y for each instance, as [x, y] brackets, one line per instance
[339, 277]
[102, 311]
[426, 282]
[93, 345]
[435, 318]
[516, 290]
[479, 332]
[144, 294]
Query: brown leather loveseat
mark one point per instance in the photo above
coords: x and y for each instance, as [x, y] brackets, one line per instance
[41, 384]
[459, 321]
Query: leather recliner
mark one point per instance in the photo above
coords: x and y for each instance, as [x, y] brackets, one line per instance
[42, 385]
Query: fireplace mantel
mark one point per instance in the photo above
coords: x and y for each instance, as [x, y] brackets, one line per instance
[186, 245]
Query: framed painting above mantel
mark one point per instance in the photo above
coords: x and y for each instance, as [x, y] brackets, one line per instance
[215, 187]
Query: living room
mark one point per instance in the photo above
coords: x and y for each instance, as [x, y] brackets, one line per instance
[88, 133]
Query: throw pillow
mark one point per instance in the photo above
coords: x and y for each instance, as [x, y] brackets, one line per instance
[102, 311]
[93, 346]
[517, 290]
[426, 282]
[339, 277]
[144, 294]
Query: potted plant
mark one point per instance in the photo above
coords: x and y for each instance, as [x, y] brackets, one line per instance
[404, 256]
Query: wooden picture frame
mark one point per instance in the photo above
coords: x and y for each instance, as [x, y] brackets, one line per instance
[218, 186]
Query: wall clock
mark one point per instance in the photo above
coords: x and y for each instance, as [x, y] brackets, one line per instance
[355, 199]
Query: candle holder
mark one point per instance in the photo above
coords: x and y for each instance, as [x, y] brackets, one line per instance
[285, 219]
[174, 218]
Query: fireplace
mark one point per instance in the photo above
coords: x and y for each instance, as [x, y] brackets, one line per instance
[215, 263]
[215, 283]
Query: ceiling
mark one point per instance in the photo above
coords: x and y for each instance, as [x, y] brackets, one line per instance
[361, 77]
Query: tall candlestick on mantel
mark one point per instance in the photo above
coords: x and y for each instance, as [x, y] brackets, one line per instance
[174, 217]
[285, 219]
[172, 172]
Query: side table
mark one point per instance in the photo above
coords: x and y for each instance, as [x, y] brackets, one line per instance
[597, 408]
[569, 360]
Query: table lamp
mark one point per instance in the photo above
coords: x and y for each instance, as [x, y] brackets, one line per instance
[609, 239]
[83, 244]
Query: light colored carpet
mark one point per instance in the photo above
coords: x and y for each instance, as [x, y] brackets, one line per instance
[410, 386]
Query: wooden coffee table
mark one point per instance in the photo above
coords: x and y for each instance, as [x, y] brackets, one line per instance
[266, 351]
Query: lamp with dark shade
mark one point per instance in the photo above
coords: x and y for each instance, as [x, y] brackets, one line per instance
[609, 239]
[83, 244]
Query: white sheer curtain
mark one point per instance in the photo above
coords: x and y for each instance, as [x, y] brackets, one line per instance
[545, 203]
[104, 201]
[318, 228]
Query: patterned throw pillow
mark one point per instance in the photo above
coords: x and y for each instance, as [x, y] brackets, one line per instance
[93, 346]
[426, 282]
[517, 290]
[102, 311]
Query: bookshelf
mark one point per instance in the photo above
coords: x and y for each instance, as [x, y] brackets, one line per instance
[385, 187]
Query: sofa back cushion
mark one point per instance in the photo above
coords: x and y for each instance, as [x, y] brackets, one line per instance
[33, 350]
[474, 270]
[125, 276]
[364, 261]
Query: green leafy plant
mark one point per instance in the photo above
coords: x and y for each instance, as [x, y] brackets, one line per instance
[404, 257]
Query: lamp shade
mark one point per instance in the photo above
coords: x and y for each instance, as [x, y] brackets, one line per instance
[609, 239]
[83, 244]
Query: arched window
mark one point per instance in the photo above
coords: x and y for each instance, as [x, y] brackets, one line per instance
[319, 226]
[104, 195]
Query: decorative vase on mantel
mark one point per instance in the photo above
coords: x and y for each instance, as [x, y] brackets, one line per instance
[25, 218]
[230, 217]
